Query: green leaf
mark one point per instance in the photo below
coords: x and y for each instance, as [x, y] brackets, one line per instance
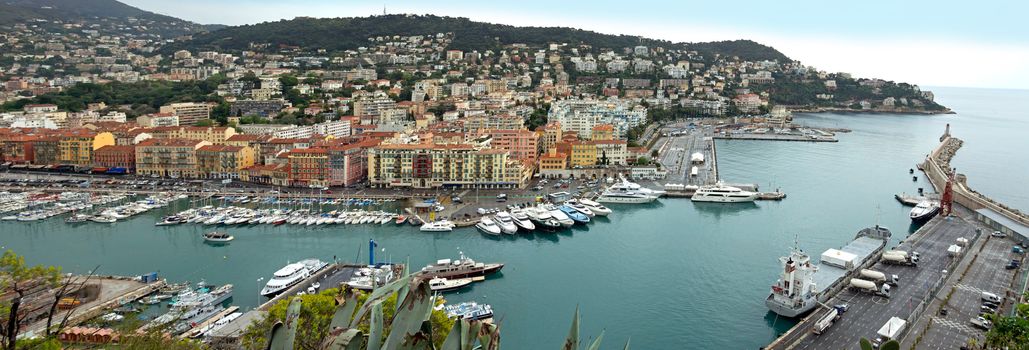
[378, 296]
[345, 339]
[572, 341]
[489, 336]
[410, 314]
[345, 310]
[890, 345]
[375, 328]
[284, 334]
[865, 344]
[627, 343]
[596, 342]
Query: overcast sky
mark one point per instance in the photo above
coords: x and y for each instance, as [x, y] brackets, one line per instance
[930, 43]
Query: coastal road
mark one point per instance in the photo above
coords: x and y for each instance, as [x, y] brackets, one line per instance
[868, 313]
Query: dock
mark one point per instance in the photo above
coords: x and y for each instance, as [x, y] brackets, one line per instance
[913, 200]
[866, 313]
[191, 332]
[332, 276]
[685, 151]
[114, 291]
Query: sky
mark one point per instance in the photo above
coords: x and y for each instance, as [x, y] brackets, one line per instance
[929, 43]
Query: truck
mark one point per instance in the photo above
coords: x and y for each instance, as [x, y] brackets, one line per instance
[870, 287]
[828, 320]
[880, 277]
[898, 257]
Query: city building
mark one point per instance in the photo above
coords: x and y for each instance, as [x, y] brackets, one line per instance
[427, 165]
[308, 167]
[116, 156]
[176, 158]
[76, 146]
[582, 116]
[224, 161]
[189, 113]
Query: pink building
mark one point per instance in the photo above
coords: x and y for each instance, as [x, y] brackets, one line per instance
[348, 164]
[520, 144]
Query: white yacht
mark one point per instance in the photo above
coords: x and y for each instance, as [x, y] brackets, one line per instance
[632, 186]
[622, 194]
[505, 222]
[438, 226]
[542, 217]
[487, 226]
[561, 217]
[924, 210]
[721, 193]
[579, 207]
[290, 275]
[597, 208]
[522, 219]
[440, 284]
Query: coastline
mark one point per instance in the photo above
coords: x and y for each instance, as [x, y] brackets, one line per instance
[841, 110]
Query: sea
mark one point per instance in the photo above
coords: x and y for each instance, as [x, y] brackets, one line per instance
[673, 274]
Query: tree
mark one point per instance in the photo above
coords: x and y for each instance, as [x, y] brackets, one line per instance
[22, 280]
[1010, 332]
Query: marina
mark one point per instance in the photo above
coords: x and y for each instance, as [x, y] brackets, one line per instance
[697, 234]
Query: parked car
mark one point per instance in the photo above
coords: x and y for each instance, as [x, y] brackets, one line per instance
[998, 234]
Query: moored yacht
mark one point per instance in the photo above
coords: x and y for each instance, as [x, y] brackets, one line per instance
[624, 195]
[575, 215]
[561, 216]
[722, 193]
[925, 210]
[521, 219]
[597, 208]
[542, 217]
[438, 226]
[290, 275]
[459, 268]
[442, 284]
[503, 219]
[488, 226]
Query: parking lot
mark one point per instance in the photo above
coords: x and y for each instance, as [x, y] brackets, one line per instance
[987, 273]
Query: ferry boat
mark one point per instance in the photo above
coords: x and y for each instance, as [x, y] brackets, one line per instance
[802, 284]
[925, 210]
[487, 226]
[442, 284]
[722, 193]
[459, 268]
[290, 275]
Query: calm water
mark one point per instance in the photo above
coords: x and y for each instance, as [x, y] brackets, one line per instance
[674, 272]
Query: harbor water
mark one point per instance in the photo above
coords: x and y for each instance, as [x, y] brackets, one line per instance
[673, 272]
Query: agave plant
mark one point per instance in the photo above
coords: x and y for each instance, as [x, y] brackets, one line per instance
[410, 328]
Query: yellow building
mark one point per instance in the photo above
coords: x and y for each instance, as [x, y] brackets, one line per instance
[176, 158]
[549, 137]
[76, 146]
[428, 165]
[224, 162]
[583, 154]
[553, 160]
[212, 134]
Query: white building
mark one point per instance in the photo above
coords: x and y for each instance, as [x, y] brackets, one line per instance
[582, 115]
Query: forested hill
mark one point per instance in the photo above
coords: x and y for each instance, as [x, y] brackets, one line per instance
[336, 34]
[33, 11]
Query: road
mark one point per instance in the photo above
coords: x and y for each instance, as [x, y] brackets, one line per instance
[676, 151]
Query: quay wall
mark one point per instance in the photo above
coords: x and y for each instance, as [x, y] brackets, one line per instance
[937, 168]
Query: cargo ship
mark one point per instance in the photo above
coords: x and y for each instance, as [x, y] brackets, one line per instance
[803, 284]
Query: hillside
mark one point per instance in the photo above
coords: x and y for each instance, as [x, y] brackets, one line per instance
[336, 34]
[23, 11]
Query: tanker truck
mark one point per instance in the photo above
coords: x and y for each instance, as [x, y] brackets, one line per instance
[900, 257]
[879, 277]
[870, 287]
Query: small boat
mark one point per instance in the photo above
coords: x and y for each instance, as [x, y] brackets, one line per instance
[470, 311]
[170, 220]
[575, 215]
[218, 237]
[112, 317]
[103, 219]
[488, 226]
[77, 218]
[440, 284]
[401, 219]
